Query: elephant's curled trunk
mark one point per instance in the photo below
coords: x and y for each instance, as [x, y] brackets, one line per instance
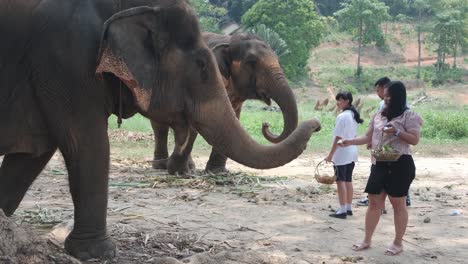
[282, 94]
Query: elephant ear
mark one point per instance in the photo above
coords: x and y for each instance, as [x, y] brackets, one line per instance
[223, 57]
[132, 47]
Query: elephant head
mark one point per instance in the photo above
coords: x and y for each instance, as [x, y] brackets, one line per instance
[253, 72]
[160, 56]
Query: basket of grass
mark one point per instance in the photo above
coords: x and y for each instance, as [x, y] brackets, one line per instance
[386, 153]
[325, 174]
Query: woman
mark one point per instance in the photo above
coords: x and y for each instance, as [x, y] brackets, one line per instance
[343, 158]
[402, 129]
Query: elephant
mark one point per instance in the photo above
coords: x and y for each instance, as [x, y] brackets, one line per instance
[66, 66]
[250, 70]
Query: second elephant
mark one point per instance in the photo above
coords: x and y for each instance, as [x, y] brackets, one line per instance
[250, 70]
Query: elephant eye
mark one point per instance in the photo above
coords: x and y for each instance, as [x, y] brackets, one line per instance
[202, 65]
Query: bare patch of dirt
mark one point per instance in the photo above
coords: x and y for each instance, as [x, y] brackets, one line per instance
[271, 216]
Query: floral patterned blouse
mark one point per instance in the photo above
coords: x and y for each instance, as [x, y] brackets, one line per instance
[408, 121]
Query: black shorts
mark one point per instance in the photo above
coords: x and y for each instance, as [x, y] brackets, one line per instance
[344, 172]
[392, 177]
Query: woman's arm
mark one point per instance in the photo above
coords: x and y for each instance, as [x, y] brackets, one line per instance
[411, 137]
[364, 139]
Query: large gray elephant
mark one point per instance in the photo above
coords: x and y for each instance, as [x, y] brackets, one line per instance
[66, 66]
[250, 70]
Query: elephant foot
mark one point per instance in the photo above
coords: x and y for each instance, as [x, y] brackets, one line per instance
[216, 165]
[180, 165]
[217, 170]
[160, 164]
[84, 249]
[191, 163]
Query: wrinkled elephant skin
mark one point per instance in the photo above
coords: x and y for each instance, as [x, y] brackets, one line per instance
[66, 66]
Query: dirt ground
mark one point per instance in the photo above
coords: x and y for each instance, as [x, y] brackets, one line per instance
[280, 212]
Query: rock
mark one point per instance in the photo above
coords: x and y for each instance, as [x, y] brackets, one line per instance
[427, 220]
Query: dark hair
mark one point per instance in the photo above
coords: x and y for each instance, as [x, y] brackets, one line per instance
[383, 82]
[349, 96]
[397, 104]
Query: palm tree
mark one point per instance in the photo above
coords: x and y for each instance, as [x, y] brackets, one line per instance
[272, 38]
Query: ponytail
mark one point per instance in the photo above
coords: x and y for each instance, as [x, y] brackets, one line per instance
[348, 96]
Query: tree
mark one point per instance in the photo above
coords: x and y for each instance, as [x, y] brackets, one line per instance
[397, 7]
[296, 22]
[423, 15]
[458, 26]
[237, 8]
[208, 14]
[449, 34]
[362, 18]
[272, 38]
[328, 7]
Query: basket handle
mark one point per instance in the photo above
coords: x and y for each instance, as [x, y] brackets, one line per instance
[318, 164]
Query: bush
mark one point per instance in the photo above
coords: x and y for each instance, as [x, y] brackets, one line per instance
[445, 124]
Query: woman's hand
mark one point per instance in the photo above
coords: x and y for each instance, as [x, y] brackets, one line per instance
[344, 143]
[389, 129]
[328, 158]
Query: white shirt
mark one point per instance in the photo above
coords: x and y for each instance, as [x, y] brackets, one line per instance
[346, 128]
[381, 105]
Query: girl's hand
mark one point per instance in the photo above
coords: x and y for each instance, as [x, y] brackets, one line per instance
[328, 158]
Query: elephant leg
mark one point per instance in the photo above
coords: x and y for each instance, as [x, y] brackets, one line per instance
[217, 161]
[17, 173]
[86, 154]
[161, 154]
[181, 161]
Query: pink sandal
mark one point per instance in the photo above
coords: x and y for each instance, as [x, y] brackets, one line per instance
[360, 246]
[393, 250]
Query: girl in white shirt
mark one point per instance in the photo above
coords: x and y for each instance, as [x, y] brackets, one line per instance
[343, 158]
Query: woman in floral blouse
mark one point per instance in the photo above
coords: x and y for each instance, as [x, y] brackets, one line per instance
[399, 127]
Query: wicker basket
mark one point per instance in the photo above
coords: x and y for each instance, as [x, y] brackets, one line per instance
[324, 177]
[388, 156]
[380, 154]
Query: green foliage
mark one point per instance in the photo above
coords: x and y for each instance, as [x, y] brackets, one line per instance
[209, 15]
[440, 77]
[296, 22]
[272, 38]
[445, 124]
[343, 76]
[450, 31]
[237, 8]
[328, 7]
[363, 18]
[397, 7]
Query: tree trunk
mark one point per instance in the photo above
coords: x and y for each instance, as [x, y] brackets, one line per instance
[418, 75]
[455, 56]
[358, 70]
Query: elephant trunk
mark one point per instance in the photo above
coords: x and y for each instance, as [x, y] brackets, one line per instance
[223, 131]
[282, 94]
